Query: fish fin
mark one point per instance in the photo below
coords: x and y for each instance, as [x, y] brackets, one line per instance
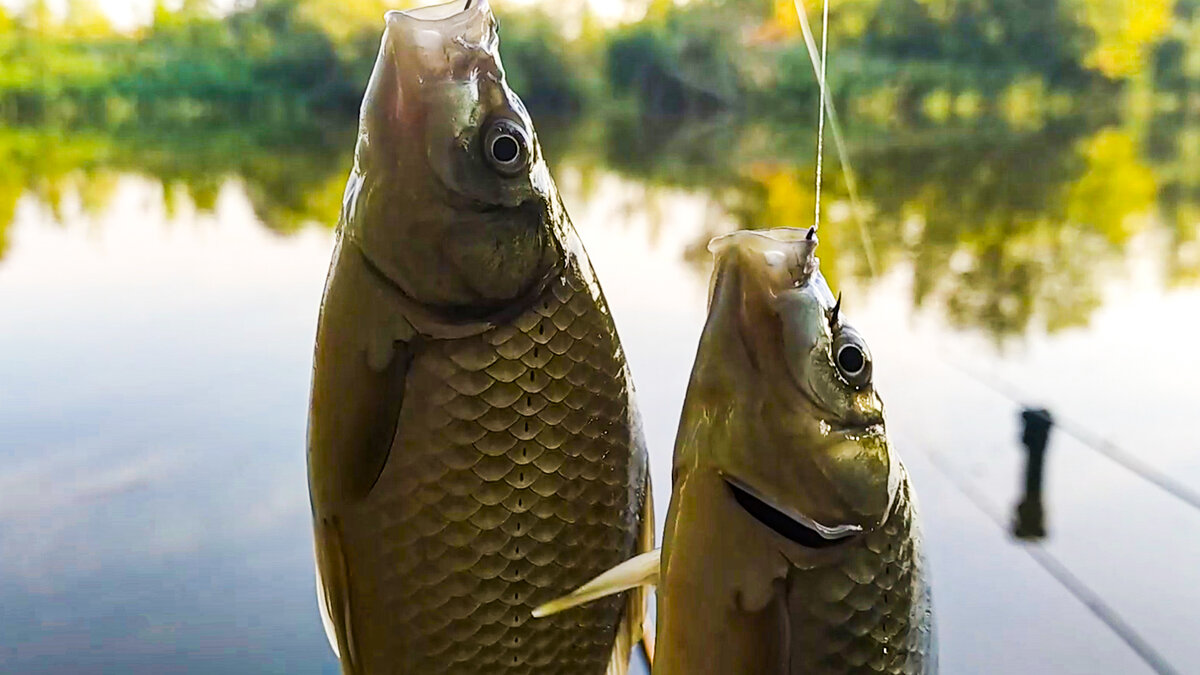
[618, 664]
[360, 370]
[631, 630]
[333, 595]
[326, 617]
[642, 630]
[648, 639]
[635, 573]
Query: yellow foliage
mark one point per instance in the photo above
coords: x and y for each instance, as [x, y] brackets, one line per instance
[38, 16]
[84, 19]
[1115, 187]
[939, 10]
[938, 105]
[343, 19]
[1125, 31]
[1024, 103]
[657, 10]
[790, 198]
[784, 19]
[847, 18]
[968, 105]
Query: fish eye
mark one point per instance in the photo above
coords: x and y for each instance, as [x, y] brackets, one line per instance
[506, 148]
[853, 358]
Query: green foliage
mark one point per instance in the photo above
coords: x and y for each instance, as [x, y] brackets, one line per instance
[683, 61]
[892, 59]
[549, 72]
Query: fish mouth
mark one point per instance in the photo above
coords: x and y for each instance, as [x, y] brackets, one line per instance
[439, 12]
[790, 525]
[446, 38]
[840, 430]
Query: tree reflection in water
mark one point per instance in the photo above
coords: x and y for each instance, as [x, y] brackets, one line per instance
[1006, 231]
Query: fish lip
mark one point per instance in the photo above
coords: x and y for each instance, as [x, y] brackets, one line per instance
[439, 13]
[844, 431]
[787, 523]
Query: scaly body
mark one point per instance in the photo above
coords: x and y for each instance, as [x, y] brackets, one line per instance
[864, 610]
[510, 480]
[791, 544]
[474, 448]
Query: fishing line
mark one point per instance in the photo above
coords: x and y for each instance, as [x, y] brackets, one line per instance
[821, 110]
[1056, 569]
[839, 140]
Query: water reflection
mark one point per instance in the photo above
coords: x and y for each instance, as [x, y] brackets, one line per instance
[1007, 230]
[153, 514]
[294, 175]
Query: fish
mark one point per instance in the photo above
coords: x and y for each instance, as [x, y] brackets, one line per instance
[474, 446]
[792, 543]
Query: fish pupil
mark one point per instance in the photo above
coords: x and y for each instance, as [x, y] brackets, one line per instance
[506, 149]
[851, 359]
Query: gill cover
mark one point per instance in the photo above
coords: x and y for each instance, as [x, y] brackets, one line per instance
[809, 438]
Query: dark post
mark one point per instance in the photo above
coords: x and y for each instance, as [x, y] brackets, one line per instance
[1030, 523]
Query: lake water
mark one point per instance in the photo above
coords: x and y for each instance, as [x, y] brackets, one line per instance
[158, 301]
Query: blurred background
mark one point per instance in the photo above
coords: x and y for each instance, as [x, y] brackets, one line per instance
[1027, 233]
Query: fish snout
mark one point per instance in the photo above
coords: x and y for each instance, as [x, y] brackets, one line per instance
[445, 41]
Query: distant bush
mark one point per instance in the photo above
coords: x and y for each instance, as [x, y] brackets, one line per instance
[547, 71]
[273, 59]
[683, 63]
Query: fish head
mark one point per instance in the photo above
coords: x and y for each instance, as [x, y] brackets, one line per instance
[805, 447]
[450, 197]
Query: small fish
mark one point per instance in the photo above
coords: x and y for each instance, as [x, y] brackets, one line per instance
[791, 544]
[474, 448]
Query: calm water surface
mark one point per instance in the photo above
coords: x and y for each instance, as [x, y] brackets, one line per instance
[158, 300]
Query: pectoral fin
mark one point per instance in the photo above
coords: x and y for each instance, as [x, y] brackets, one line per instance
[641, 626]
[361, 363]
[635, 624]
[333, 596]
[635, 573]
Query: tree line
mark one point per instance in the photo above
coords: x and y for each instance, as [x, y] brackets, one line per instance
[276, 59]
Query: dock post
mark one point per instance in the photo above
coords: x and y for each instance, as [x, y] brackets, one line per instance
[1030, 522]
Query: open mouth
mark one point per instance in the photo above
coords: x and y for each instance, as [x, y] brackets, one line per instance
[439, 12]
[808, 534]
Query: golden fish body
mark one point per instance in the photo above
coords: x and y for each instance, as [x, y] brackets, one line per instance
[865, 609]
[474, 448]
[791, 545]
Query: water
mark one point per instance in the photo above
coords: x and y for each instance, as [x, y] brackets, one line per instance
[159, 291]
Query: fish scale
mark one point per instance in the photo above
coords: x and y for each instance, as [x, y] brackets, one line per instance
[857, 616]
[510, 481]
[791, 544]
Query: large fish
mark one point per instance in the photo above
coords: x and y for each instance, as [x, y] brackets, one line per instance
[791, 544]
[474, 449]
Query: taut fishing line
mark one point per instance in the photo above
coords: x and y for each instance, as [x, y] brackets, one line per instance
[818, 63]
[821, 113]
